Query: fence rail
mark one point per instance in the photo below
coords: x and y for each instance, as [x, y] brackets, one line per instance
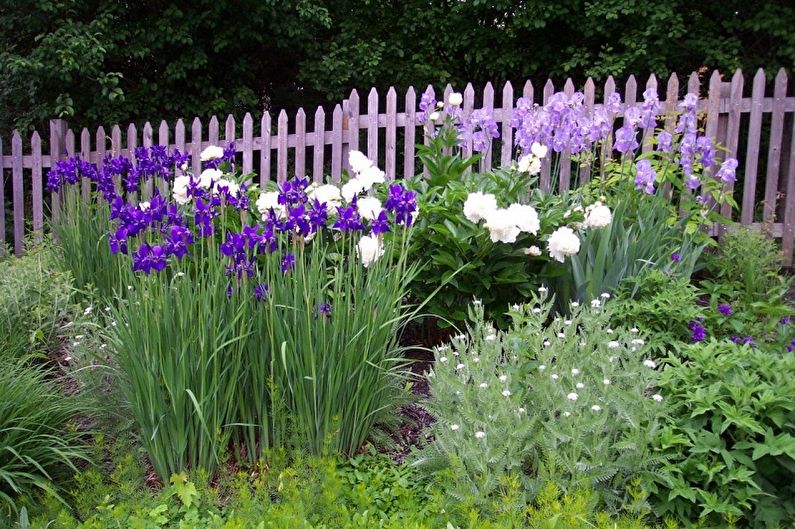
[754, 124]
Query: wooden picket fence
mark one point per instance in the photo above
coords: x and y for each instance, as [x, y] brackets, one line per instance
[753, 124]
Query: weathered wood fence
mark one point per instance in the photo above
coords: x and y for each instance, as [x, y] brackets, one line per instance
[754, 123]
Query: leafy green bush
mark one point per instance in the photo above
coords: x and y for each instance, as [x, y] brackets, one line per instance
[658, 303]
[567, 403]
[35, 302]
[730, 436]
[39, 442]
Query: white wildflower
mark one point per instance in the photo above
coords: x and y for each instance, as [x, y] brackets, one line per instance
[180, 189]
[542, 290]
[443, 359]
[575, 372]
[506, 393]
[633, 329]
[554, 376]
[483, 385]
[579, 385]
[358, 161]
[460, 366]
[638, 341]
[649, 363]
[536, 310]
[657, 397]
[609, 331]
[606, 382]
[567, 414]
[572, 396]
[575, 304]
[595, 303]
[596, 407]
[613, 344]
[454, 427]
[88, 310]
[605, 295]
[561, 335]
[480, 435]
[503, 378]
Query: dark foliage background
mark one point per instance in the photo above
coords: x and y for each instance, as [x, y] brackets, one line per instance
[108, 61]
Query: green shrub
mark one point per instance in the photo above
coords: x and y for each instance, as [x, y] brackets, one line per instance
[35, 304]
[658, 303]
[730, 437]
[39, 442]
[566, 403]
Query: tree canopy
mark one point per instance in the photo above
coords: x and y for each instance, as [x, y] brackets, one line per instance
[108, 61]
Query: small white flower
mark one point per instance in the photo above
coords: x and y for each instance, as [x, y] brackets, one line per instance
[477, 302]
[180, 189]
[657, 397]
[490, 338]
[515, 307]
[605, 295]
[596, 407]
[554, 376]
[546, 343]
[567, 414]
[455, 353]
[649, 364]
[567, 322]
[613, 344]
[506, 393]
[443, 359]
[483, 385]
[606, 382]
[454, 427]
[638, 341]
[113, 323]
[358, 161]
[609, 331]
[455, 99]
[542, 290]
[369, 249]
[595, 303]
[434, 116]
[460, 366]
[103, 346]
[562, 243]
[561, 335]
[575, 372]
[611, 358]
[542, 367]
[572, 396]
[75, 344]
[536, 310]
[107, 309]
[579, 385]
[633, 329]
[480, 435]
[180, 274]
[538, 150]
[534, 251]
[212, 152]
[575, 304]
[67, 359]
[440, 104]
[88, 311]
[503, 378]
[521, 410]
[79, 337]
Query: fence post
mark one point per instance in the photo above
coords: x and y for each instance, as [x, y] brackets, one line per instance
[57, 152]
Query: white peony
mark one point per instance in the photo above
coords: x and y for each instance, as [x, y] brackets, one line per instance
[478, 205]
[597, 216]
[538, 150]
[502, 226]
[455, 99]
[209, 177]
[212, 152]
[358, 161]
[328, 194]
[369, 208]
[369, 249]
[525, 217]
[563, 242]
[351, 188]
[268, 201]
[180, 192]
[372, 175]
[529, 163]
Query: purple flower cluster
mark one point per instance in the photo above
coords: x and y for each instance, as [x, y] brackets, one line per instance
[725, 309]
[402, 203]
[564, 123]
[645, 176]
[478, 128]
[744, 340]
[697, 331]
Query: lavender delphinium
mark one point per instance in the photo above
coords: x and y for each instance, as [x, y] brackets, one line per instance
[479, 128]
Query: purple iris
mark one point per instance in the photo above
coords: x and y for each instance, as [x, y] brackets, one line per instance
[380, 224]
[324, 309]
[744, 340]
[726, 173]
[288, 262]
[348, 219]
[697, 332]
[403, 203]
[261, 292]
[149, 258]
[664, 141]
[626, 139]
[676, 257]
[725, 309]
[785, 320]
[645, 176]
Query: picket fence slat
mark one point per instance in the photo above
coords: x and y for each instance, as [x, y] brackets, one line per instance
[318, 150]
[265, 156]
[36, 189]
[731, 117]
[752, 151]
[410, 133]
[506, 134]
[17, 193]
[774, 150]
